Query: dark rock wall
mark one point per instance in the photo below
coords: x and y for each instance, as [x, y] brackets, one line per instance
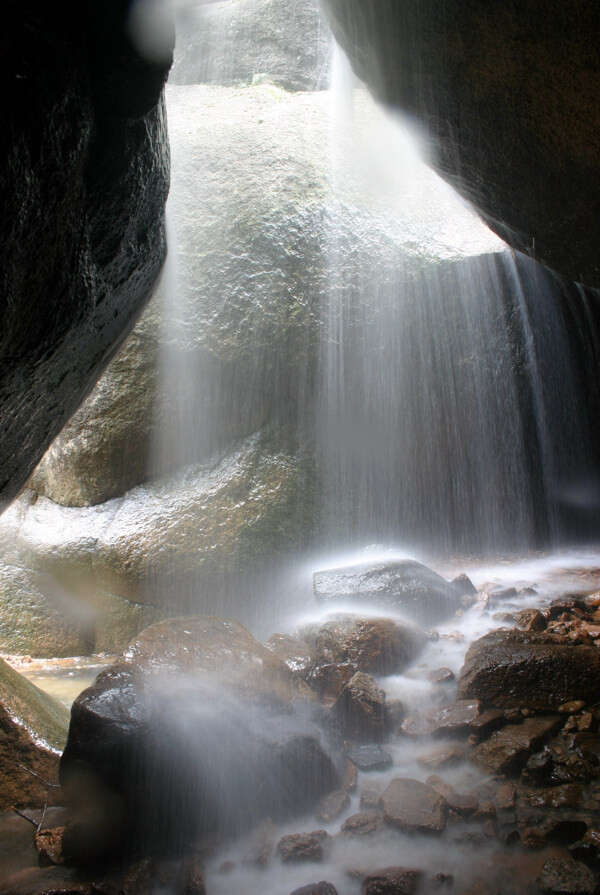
[84, 174]
[509, 93]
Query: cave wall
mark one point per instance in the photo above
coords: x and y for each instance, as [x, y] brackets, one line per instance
[84, 179]
[508, 94]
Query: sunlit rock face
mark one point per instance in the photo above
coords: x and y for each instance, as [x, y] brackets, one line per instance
[283, 42]
[85, 164]
[508, 94]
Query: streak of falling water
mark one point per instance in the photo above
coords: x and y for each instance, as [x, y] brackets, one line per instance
[449, 417]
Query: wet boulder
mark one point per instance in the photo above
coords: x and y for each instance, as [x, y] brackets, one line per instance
[538, 671]
[197, 729]
[360, 709]
[406, 586]
[296, 654]
[507, 750]
[564, 876]
[351, 643]
[33, 732]
[413, 807]
[299, 847]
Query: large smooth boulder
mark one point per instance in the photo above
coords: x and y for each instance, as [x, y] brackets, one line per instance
[404, 585]
[522, 669]
[247, 41]
[33, 732]
[197, 729]
[182, 542]
[85, 163]
[508, 95]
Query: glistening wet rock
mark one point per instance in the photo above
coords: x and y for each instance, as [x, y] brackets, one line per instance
[322, 888]
[563, 876]
[407, 586]
[197, 729]
[538, 671]
[507, 750]
[360, 709]
[300, 847]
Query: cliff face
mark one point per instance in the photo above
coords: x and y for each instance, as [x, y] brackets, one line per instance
[509, 94]
[84, 163]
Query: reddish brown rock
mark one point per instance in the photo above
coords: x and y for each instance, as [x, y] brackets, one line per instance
[322, 888]
[392, 881]
[452, 753]
[464, 805]
[455, 719]
[300, 847]
[506, 796]
[372, 645]
[486, 723]
[49, 845]
[370, 758]
[507, 750]
[365, 823]
[413, 806]
[296, 654]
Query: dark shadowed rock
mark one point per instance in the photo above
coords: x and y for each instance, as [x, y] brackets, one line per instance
[538, 671]
[33, 731]
[413, 806]
[392, 881]
[46, 881]
[198, 728]
[85, 158]
[507, 95]
[507, 750]
[360, 709]
[407, 586]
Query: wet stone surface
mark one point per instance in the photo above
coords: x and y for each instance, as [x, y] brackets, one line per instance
[413, 806]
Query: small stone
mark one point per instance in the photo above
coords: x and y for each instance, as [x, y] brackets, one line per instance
[350, 776]
[462, 805]
[442, 879]
[392, 881]
[330, 808]
[445, 755]
[365, 823]
[587, 723]
[193, 879]
[564, 876]
[321, 888]
[298, 847]
[441, 676]
[572, 707]
[139, 879]
[456, 718]
[370, 758]
[395, 712]
[531, 837]
[49, 845]
[413, 806]
[369, 798]
[506, 796]
[530, 620]
[485, 810]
